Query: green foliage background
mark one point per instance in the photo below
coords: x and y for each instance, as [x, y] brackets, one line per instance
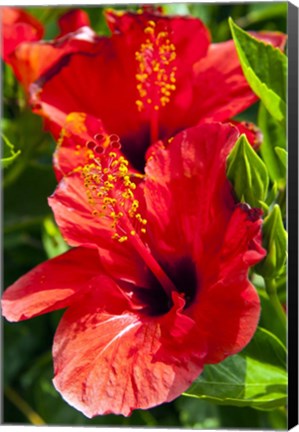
[30, 237]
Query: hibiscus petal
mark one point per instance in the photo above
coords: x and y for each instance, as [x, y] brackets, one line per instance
[110, 363]
[74, 214]
[242, 243]
[32, 61]
[72, 21]
[228, 309]
[17, 27]
[188, 196]
[51, 285]
[221, 90]
[81, 227]
[228, 312]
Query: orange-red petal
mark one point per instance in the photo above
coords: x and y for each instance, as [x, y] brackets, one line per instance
[107, 362]
[51, 285]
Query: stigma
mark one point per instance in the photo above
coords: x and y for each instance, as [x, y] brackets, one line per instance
[156, 70]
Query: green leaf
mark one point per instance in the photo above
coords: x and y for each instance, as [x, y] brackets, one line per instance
[268, 318]
[266, 348]
[259, 12]
[265, 69]
[274, 136]
[275, 242]
[197, 414]
[282, 154]
[272, 194]
[251, 378]
[8, 154]
[247, 173]
[52, 239]
[176, 9]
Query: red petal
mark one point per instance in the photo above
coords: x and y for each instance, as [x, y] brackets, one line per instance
[228, 309]
[74, 216]
[252, 132]
[73, 213]
[17, 27]
[51, 285]
[31, 60]
[221, 90]
[188, 196]
[111, 363]
[72, 21]
[228, 313]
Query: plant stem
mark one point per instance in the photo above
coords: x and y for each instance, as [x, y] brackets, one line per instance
[271, 290]
[28, 412]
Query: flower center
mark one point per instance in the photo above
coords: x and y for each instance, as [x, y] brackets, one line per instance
[156, 74]
[154, 300]
[111, 193]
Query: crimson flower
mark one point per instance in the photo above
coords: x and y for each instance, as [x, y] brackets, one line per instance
[153, 77]
[156, 285]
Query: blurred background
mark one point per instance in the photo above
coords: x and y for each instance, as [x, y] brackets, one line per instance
[30, 237]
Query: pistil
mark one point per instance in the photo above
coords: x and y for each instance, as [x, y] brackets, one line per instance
[111, 194]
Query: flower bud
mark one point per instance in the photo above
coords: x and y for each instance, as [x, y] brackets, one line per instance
[275, 242]
[247, 173]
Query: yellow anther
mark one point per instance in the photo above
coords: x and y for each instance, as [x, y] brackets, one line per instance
[111, 177]
[114, 163]
[123, 169]
[155, 68]
[110, 189]
[149, 30]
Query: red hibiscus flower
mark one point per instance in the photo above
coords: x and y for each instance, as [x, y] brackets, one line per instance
[157, 284]
[147, 81]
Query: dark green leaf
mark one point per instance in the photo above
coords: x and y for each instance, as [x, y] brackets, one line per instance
[265, 69]
[197, 414]
[247, 173]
